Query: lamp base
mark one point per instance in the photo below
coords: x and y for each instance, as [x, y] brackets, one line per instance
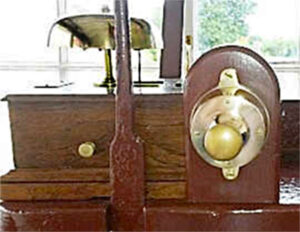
[149, 84]
[107, 83]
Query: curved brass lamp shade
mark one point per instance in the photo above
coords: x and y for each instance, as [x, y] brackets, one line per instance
[97, 31]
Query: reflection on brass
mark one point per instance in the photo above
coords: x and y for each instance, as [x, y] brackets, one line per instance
[188, 52]
[86, 150]
[189, 40]
[223, 142]
[97, 31]
[229, 125]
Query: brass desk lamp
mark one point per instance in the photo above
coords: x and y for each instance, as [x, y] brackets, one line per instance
[97, 31]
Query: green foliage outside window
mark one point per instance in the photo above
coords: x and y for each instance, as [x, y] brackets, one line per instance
[222, 21]
[225, 21]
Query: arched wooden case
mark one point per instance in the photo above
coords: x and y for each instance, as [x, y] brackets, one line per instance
[258, 181]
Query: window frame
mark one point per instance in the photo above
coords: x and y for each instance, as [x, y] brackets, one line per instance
[190, 18]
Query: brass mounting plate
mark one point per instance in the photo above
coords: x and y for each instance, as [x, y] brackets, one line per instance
[238, 101]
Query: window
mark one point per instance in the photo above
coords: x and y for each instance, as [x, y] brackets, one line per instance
[23, 37]
[271, 28]
[26, 25]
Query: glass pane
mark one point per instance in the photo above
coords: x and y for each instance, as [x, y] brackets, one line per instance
[25, 25]
[267, 26]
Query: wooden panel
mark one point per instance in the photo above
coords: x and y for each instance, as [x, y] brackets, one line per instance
[37, 175]
[84, 175]
[53, 191]
[32, 116]
[261, 176]
[166, 190]
[47, 131]
[164, 184]
[54, 216]
[29, 191]
[174, 216]
[159, 122]
[77, 119]
[290, 126]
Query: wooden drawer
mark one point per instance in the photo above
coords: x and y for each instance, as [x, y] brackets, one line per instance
[47, 130]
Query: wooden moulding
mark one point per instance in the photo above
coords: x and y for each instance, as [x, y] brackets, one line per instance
[84, 175]
[83, 184]
[84, 191]
[258, 182]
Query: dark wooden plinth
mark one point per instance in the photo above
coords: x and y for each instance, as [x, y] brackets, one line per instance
[172, 216]
[54, 216]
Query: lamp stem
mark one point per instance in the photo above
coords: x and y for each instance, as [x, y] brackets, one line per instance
[139, 67]
[109, 80]
[108, 64]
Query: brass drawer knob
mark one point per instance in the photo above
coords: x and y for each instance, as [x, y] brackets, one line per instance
[87, 149]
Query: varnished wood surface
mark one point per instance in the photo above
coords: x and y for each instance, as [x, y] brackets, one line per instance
[48, 125]
[262, 174]
[83, 191]
[25, 184]
[46, 133]
[290, 136]
[47, 130]
[127, 176]
[179, 216]
[53, 191]
[54, 216]
[160, 216]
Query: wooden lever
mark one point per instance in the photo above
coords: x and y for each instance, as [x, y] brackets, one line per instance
[126, 151]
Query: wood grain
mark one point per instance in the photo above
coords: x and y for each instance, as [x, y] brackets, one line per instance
[54, 191]
[47, 132]
[77, 119]
[173, 186]
[84, 175]
[29, 191]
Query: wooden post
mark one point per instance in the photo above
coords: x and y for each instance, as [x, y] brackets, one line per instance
[170, 65]
[126, 151]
